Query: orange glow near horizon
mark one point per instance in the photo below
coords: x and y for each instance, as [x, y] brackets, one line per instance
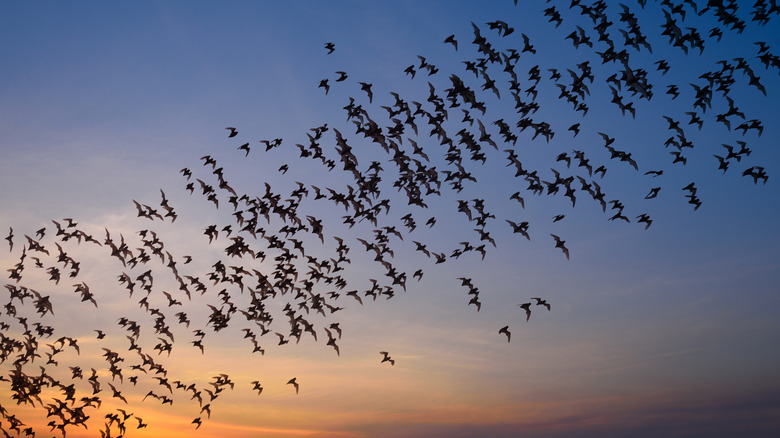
[189, 222]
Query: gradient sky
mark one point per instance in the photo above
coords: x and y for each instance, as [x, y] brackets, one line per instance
[670, 331]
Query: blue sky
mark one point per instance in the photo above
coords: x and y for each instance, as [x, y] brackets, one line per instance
[667, 331]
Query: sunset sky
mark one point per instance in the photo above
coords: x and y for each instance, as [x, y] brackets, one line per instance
[670, 331]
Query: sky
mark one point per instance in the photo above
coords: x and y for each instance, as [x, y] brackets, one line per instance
[664, 331]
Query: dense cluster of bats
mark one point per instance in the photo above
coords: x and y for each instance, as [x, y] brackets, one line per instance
[285, 271]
